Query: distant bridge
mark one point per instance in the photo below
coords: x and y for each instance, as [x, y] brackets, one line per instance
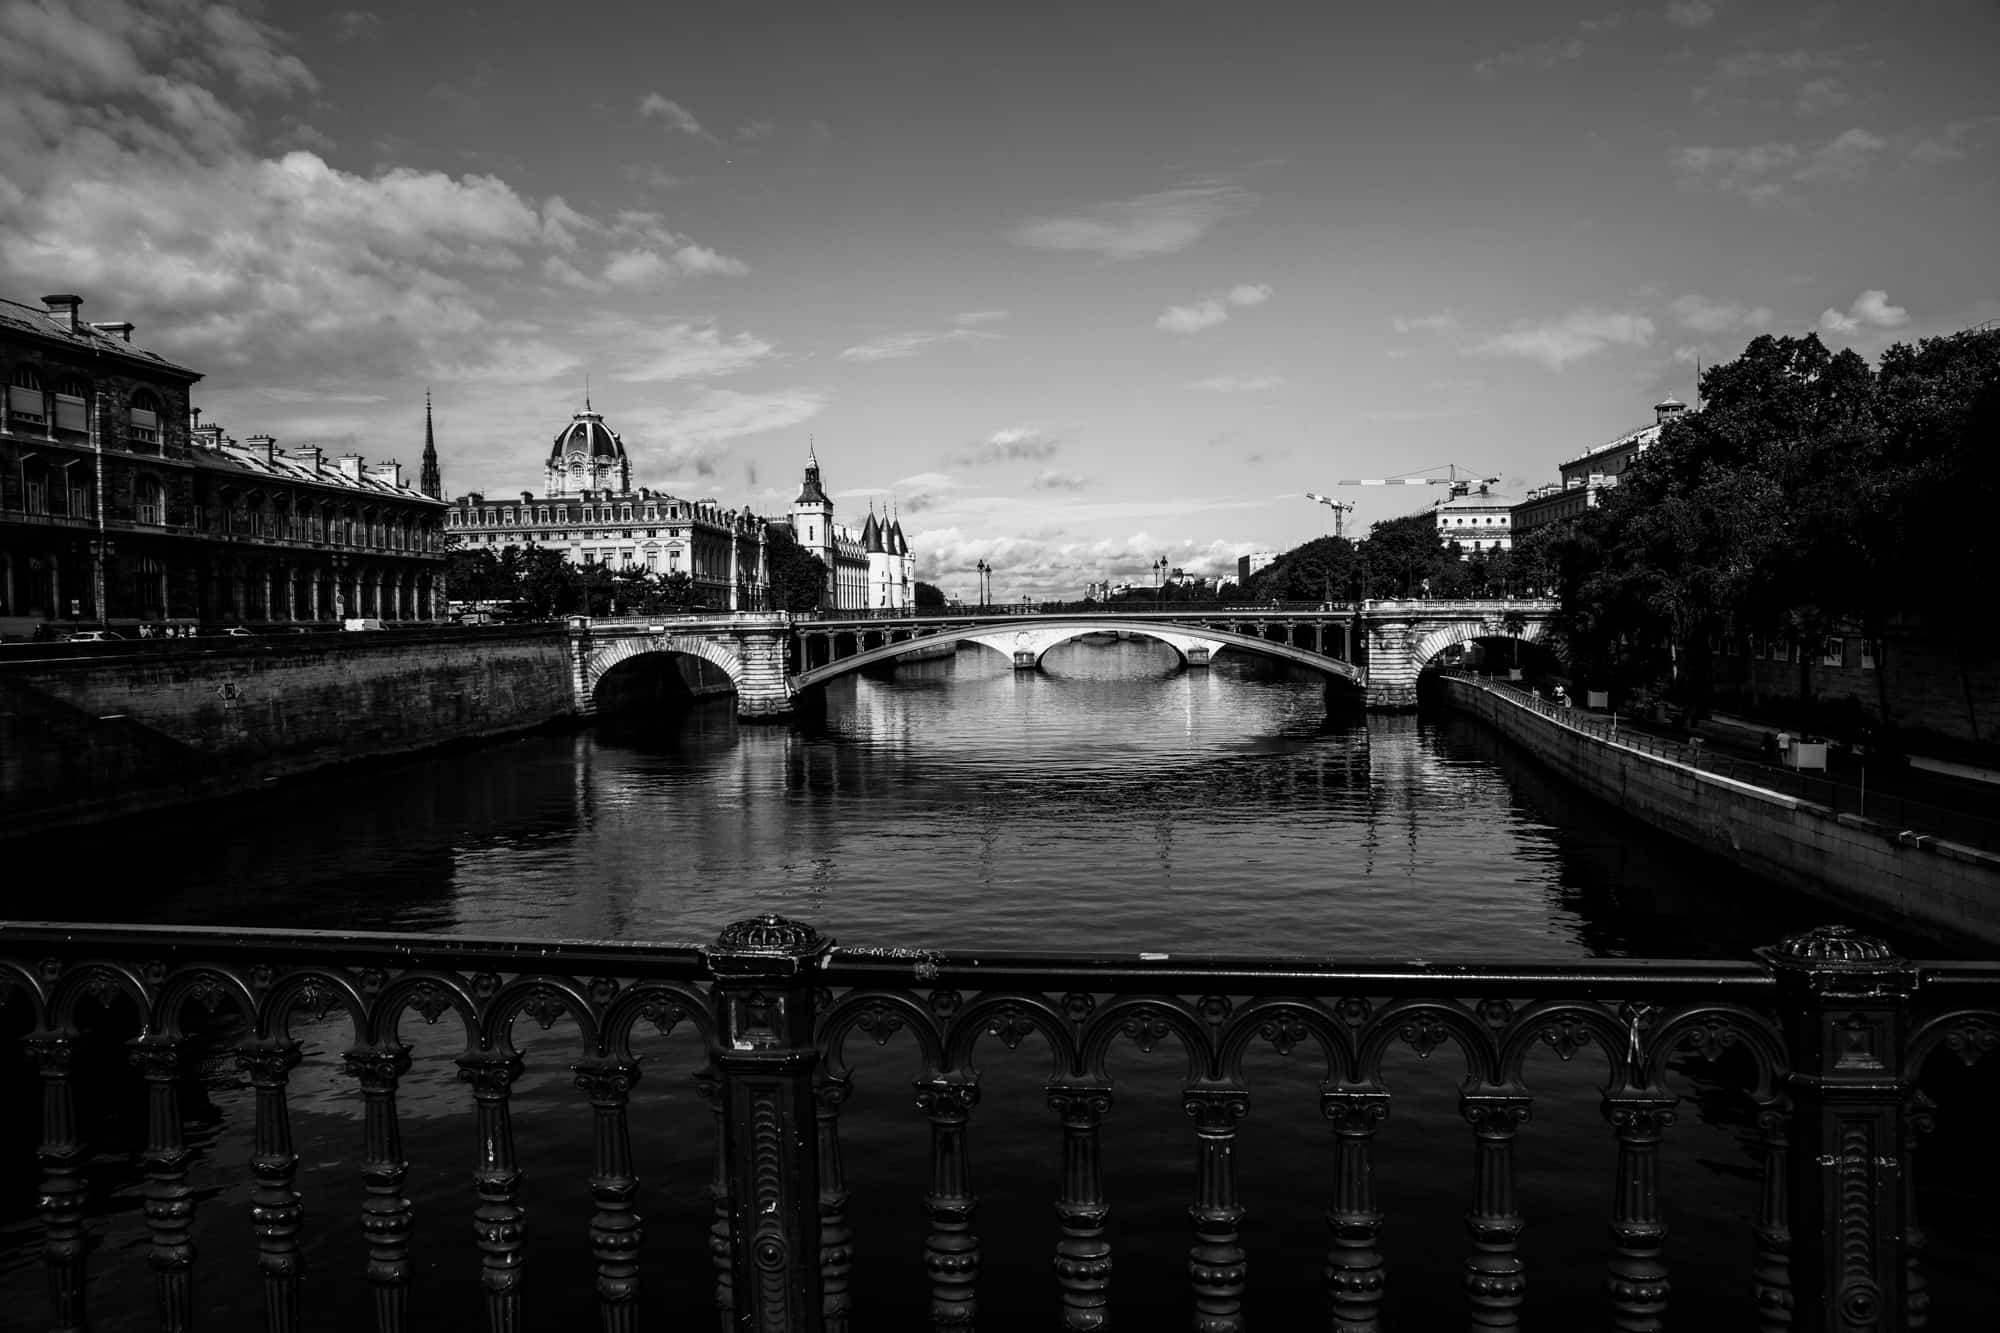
[1376, 649]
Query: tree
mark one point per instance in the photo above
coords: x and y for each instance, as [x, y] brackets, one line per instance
[798, 578]
[548, 583]
[1321, 570]
[1400, 554]
[929, 595]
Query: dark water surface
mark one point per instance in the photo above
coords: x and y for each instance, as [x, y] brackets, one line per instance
[1110, 802]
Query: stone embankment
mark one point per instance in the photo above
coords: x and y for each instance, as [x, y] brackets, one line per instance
[1877, 870]
[88, 735]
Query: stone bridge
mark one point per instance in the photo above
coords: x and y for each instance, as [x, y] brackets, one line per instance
[1373, 652]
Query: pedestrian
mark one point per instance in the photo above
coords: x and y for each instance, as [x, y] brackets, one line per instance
[1784, 747]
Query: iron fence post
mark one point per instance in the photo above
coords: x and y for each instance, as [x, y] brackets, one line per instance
[765, 972]
[1844, 999]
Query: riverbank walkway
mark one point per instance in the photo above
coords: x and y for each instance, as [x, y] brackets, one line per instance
[1922, 802]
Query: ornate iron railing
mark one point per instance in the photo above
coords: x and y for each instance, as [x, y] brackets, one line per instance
[1835, 1026]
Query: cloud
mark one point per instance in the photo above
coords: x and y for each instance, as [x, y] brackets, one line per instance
[1058, 481]
[678, 118]
[1706, 316]
[1215, 310]
[756, 131]
[1816, 97]
[1690, 13]
[357, 25]
[1763, 174]
[1954, 141]
[1548, 52]
[687, 351]
[1871, 309]
[1010, 444]
[1239, 383]
[1579, 334]
[1162, 223]
[895, 346]
[972, 317]
[693, 258]
[1442, 322]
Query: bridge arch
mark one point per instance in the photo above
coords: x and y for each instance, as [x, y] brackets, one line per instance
[606, 656]
[1427, 648]
[1046, 635]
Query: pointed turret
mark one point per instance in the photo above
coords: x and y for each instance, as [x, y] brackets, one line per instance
[871, 536]
[430, 481]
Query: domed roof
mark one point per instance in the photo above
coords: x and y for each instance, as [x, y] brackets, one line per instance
[587, 434]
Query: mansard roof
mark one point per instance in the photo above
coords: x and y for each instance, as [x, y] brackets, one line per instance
[64, 325]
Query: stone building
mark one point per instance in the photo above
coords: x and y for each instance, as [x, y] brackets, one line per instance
[1588, 475]
[870, 570]
[590, 512]
[1478, 520]
[118, 509]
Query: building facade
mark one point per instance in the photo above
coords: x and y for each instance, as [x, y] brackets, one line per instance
[1587, 476]
[590, 512]
[873, 569]
[1479, 521]
[118, 509]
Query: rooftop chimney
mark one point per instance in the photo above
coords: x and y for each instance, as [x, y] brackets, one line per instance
[350, 466]
[266, 443]
[123, 328]
[64, 306]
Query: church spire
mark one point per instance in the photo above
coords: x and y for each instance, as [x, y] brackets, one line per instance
[430, 482]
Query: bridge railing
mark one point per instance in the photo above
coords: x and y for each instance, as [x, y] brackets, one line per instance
[1830, 1030]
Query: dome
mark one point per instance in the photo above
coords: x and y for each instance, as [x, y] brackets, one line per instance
[586, 434]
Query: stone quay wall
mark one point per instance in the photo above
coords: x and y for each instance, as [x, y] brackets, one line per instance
[1876, 870]
[88, 732]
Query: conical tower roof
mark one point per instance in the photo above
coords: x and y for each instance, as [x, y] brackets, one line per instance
[871, 535]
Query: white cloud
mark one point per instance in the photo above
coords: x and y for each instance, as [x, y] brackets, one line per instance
[687, 351]
[1442, 322]
[678, 118]
[726, 414]
[1162, 223]
[1871, 309]
[1012, 443]
[1215, 310]
[1579, 334]
[756, 131]
[1058, 481]
[357, 25]
[636, 268]
[1690, 13]
[972, 317]
[1816, 97]
[1763, 174]
[692, 258]
[895, 346]
[1706, 316]
[1238, 383]
[1192, 318]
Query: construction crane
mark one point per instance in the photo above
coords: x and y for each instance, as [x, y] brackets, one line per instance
[1459, 485]
[1341, 509]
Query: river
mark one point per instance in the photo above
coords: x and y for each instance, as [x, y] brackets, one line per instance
[1108, 802]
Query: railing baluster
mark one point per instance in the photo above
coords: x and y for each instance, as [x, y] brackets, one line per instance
[62, 1153]
[836, 1238]
[498, 1221]
[709, 1083]
[1495, 1278]
[386, 1214]
[1773, 1274]
[1217, 1267]
[615, 1226]
[1638, 1277]
[1354, 1276]
[951, 1250]
[275, 1210]
[169, 1200]
[1083, 1255]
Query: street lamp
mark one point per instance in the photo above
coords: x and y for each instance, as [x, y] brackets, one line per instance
[1160, 581]
[985, 573]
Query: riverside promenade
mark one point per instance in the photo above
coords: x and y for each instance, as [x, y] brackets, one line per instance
[1906, 856]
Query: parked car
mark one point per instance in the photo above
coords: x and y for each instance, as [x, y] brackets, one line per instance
[237, 632]
[94, 636]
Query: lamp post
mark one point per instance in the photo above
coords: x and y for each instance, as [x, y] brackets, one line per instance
[1160, 582]
[985, 575]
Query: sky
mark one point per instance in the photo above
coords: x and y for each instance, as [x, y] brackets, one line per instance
[1068, 288]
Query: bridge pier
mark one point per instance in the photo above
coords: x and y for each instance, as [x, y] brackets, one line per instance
[1196, 655]
[763, 691]
[1392, 668]
[1026, 659]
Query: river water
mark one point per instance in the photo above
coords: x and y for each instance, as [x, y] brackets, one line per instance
[1108, 802]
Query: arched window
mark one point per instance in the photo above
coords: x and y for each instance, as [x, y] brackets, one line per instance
[146, 417]
[24, 397]
[73, 405]
[147, 501]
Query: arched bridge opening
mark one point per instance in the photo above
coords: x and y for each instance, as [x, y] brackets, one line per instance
[1492, 649]
[653, 678]
[1024, 645]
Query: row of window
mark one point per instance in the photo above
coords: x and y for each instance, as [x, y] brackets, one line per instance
[28, 402]
[513, 516]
